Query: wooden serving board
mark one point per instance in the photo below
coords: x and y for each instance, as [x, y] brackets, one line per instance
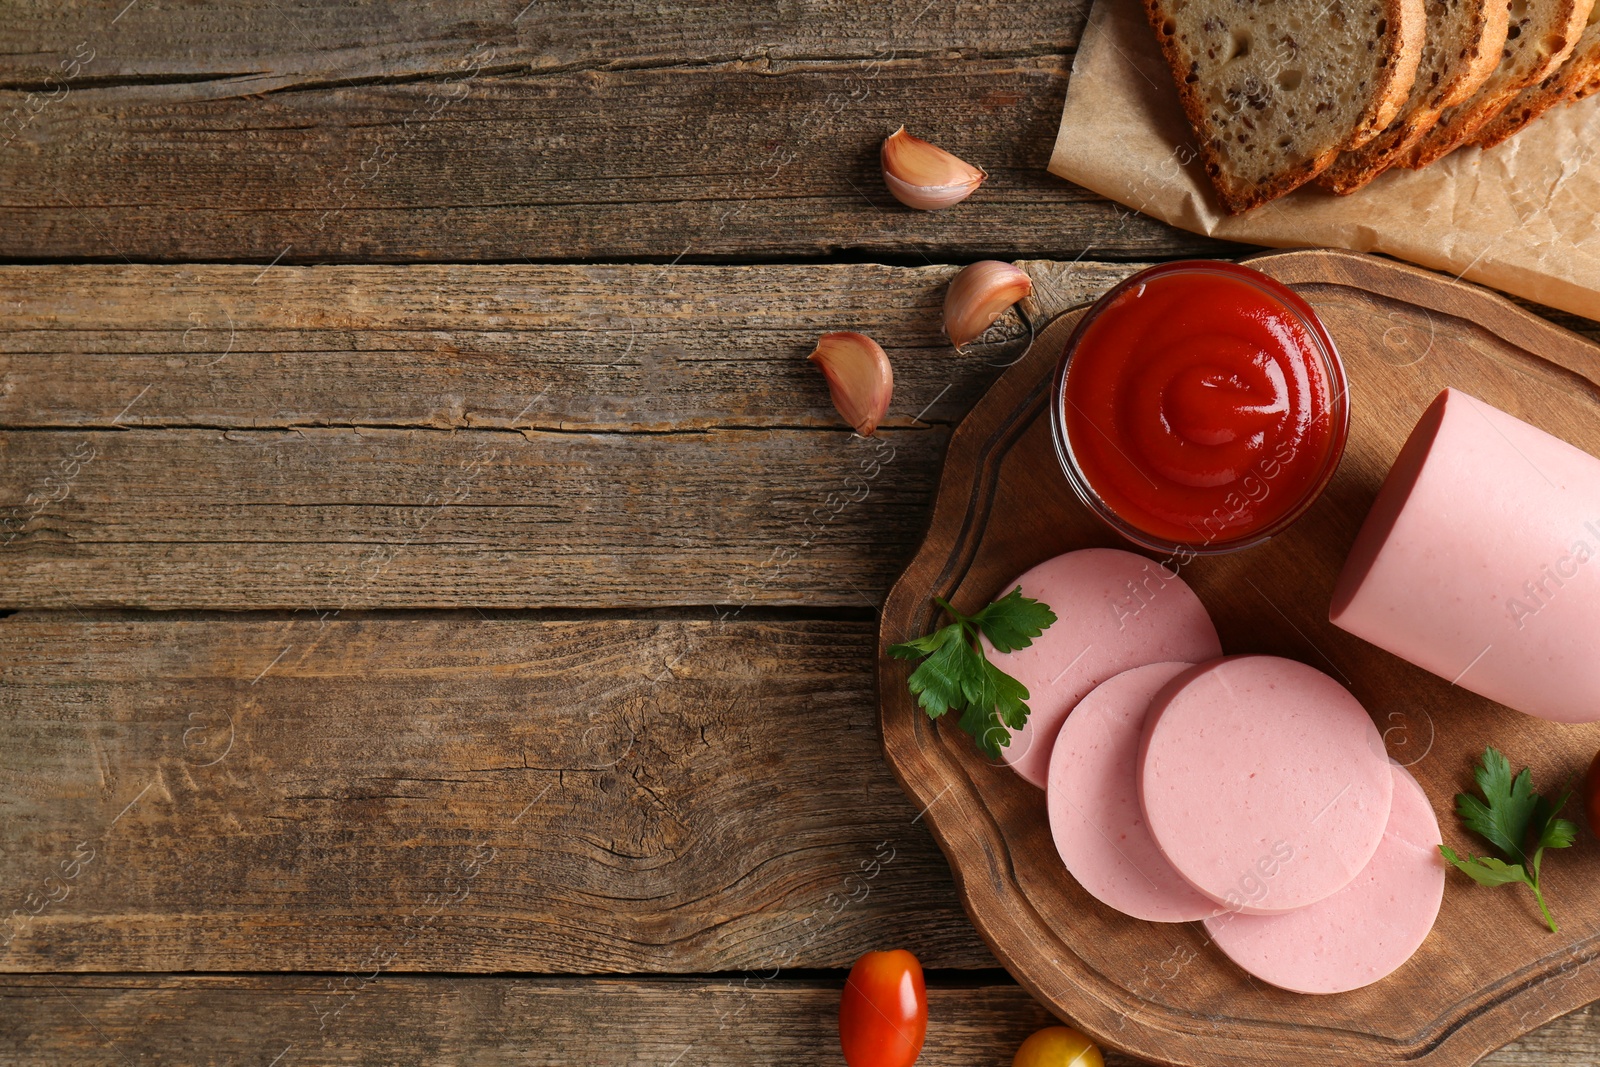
[1490, 971]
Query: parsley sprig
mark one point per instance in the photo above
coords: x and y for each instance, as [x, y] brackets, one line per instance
[1512, 818]
[955, 675]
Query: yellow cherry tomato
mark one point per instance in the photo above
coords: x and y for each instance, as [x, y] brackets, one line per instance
[1058, 1046]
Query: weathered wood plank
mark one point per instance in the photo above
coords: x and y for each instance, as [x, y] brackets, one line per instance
[454, 793]
[416, 518]
[483, 1021]
[578, 347]
[462, 347]
[346, 39]
[759, 158]
[528, 1022]
[184, 436]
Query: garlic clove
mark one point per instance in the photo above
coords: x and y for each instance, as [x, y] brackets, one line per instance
[979, 295]
[925, 176]
[859, 378]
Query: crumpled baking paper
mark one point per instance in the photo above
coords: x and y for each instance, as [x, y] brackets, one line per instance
[1522, 217]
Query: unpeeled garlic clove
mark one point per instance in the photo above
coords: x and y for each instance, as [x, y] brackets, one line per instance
[859, 378]
[979, 295]
[925, 176]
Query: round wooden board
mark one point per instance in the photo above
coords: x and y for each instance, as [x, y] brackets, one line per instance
[1490, 971]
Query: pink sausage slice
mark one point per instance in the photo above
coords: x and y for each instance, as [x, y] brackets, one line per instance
[1264, 782]
[1093, 796]
[1115, 611]
[1480, 561]
[1361, 933]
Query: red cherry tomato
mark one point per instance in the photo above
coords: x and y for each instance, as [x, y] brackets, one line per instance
[1591, 794]
[883, 1015]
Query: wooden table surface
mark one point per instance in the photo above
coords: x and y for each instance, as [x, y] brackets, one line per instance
[439, 597]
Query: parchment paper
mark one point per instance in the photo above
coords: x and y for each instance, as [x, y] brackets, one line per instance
[1522, 217]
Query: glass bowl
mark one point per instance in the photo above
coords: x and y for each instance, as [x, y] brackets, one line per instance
[1338, 410]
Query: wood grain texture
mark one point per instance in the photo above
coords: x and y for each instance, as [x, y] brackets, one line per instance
[1164, 990]
[347, 39]
[389, 518]
[578, 347]
[453, 793]
[210, 1021]
[453, 436]
[760, 158]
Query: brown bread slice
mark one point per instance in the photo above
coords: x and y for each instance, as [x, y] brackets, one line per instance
[1542, 34]
[1568, 83]
[1590, 89]
[1275, 90]
[1461, 48]
[1587, 90]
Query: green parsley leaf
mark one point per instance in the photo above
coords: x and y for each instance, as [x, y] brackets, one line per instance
[1554, 832]
[1011, 697]
[921, 646]
[1512, 818]
[1486, 870]
[956, 675]
[1013, 621]
[985, 730]
[1503, 821]
[938, 682]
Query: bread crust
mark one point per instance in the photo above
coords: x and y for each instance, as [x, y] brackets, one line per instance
[1462, 123]
[1485, 56]
[1409, 19]
[1402, 50]
[1353, 170]
[1564, 86]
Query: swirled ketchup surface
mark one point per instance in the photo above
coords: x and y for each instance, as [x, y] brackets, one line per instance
[1203, 404]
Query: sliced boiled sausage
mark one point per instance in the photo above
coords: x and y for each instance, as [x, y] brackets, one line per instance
[1264, 782]
[1115, 611]
[1367, 929]
[1093, 798]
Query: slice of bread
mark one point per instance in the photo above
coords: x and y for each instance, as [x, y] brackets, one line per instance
[1579, 72]
[1461, 48]
[1587, 90]
[1274, 90]
[1542, 34]
[1591, 88]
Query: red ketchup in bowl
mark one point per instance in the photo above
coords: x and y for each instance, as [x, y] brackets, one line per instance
[1200, 406]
